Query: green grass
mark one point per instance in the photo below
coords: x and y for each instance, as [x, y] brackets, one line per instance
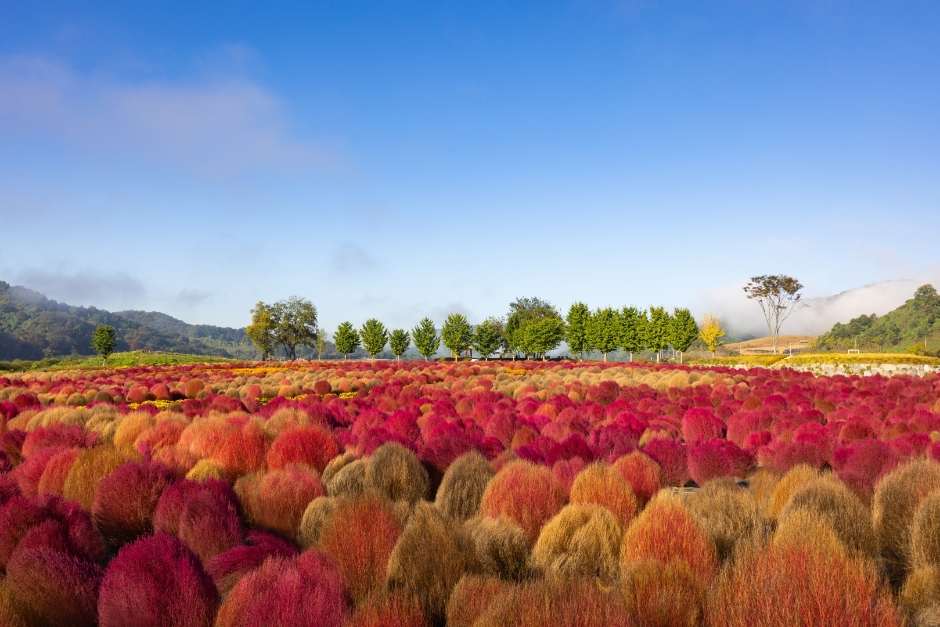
[810, 359]
[738, 360]
[117, 360]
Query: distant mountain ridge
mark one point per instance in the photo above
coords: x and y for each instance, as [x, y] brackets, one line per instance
[33, 326]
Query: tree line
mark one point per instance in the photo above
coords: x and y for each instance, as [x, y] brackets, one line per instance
[532, 328]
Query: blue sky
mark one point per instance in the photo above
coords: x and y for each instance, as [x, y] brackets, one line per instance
[403, 159]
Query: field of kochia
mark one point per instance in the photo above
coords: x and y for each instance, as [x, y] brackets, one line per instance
[467, 494]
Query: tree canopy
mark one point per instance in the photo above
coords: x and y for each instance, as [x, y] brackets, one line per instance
[576, 329]
[534, 327]
[657, 330]
[683, 330]
[261, 329]
[778, 296]
[346, 339]
[604, 330]
[632, 330]
[426, 339]
[711, 331]
[457, 334]
[399, 341]
[488, 337]
[374, 336]
[295, 324]
[103, 341]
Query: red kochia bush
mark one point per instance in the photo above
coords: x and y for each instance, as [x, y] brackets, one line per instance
[56, 471]
[29, 473]
[388, 611]
[57, 590]
[644, 475]
[360, 536]
[277, 499]
[526, 493]
[307, 445]
[707, 461]
[228, 568]
[671, 457]
[126, 499]
[700, 425]
[57, 435]
[156, 582]
[787, 585]
[298, 592]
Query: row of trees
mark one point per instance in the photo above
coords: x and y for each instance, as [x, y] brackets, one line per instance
[532, 328]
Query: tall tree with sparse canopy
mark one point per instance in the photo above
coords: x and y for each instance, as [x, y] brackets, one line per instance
[346, 339]
[657, 331]
[399, 341]
[711, 331]
[457, 334]
[103, 341]
[374, 337]
[295, 324]
[426, 339]
[322, 338]
[683, 330]
[632, 330]
[488, 337]
[778, 296]
[261, 329]
[604, 330]
[576, 329]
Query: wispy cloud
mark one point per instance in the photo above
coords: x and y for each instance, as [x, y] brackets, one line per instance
[84, 287]
[351, 258]
[216, 129]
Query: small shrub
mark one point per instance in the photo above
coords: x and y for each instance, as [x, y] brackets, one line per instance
[666, 531]
[227, 569]
[895, 502]
[603, 485]
[156, 581]
[315, 517]
[709, 461]
[431, 556]
[125, 501]
[795, 478]
[793, 585]
[582, 540]
[663, 595]
[925, 533]
[671, 457]
[310, 445]
[527, 494]
[501, 547]
[396, 473]
[829, 499]
[207, 469]
[295, 592]
[57, 589]
[350, 480]
[29, 473]
[728, 513]
[57, 471]
[555, 603]
[920, 591]
[644, 475]
[388, 611]
[463, 485]
[56, 435]
[277, 499]
[360, 536]
[807, 529]
[471, 597]
[90, 467]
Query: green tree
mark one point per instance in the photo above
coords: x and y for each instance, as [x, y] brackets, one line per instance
[488, 337]
[604, 330]
[374, 337]
[525, 311]
[632, 330]
[543, 335]
[657, 331]
[295, 324]
[103, 341]
[426, 339]
[399, 341]
[778, 296]
[683, 330]
[457, 334]
[346, 339]
[261, 329]
[576, 327]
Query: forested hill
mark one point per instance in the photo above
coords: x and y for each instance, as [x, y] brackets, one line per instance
[905, 328]
[34, 327]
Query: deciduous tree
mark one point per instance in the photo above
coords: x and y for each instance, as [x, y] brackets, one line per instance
[632, 330]
[544, 334]
[103, 341]
[711, 331]
[346, 339]
[657, 331]
[683, 330]
[261, 329]
[399, 341]
[576, 328]
[374, 337]
[488, 337]
[426, 339]
[604, 330]
[322, 338]
[295, 324]
[457, 334]
[525, 311]
[778, 296]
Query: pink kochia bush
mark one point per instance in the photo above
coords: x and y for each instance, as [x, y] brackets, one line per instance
[58, 589]
[226, 569]
[307, 445]
[156, 582]
[201, 514]
[295, 592]
[125, 500]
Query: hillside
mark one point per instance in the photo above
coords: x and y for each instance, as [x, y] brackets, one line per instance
[34, 327]
[903, 329]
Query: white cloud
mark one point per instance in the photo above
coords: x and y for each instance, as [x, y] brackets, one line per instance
[217, 129]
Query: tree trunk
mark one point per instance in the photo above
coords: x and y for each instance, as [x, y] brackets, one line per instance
[605, 358]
